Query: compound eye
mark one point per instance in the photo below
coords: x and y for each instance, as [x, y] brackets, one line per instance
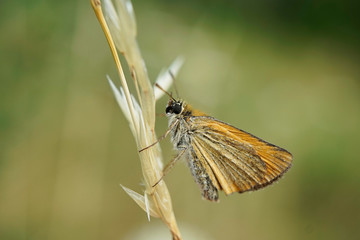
[177, 108]
[168, 109]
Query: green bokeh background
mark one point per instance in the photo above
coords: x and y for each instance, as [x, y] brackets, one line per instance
[286, 71]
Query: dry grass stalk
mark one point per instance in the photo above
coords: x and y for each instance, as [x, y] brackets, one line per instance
[120, 25]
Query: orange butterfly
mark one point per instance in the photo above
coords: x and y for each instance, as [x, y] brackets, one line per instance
[220, 156]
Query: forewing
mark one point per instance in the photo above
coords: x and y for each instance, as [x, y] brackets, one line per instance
[239, 160]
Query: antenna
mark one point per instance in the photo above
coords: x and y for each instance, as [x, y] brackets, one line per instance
[173, 78]
[157, 85]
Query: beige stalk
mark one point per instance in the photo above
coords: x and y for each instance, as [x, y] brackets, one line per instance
[120, 31]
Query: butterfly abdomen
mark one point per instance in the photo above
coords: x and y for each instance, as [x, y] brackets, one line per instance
[202, 178]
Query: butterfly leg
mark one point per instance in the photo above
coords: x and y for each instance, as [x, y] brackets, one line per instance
[170, 165]
[160, 138]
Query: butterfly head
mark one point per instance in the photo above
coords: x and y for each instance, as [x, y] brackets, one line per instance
[174, 107]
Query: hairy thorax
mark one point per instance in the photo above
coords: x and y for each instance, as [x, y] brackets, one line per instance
[180, 133]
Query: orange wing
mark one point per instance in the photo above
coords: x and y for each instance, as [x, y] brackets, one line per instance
[238, 160]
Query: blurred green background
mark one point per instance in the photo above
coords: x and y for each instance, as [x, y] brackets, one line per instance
[286, 71]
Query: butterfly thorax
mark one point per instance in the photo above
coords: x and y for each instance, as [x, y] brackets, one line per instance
[180, 114]
[179, 123]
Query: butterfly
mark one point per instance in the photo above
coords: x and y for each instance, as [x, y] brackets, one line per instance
[220, 156]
